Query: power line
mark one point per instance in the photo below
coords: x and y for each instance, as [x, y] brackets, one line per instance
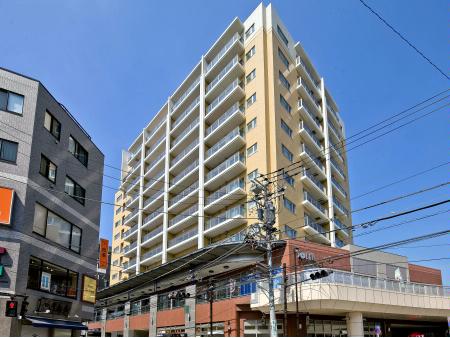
[410, 44]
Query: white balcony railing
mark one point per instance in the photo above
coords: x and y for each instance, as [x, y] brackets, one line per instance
[184, 193]
[222, 73]
[186, 131]
[223, 51]
[185, 94]
[225, 165]
[307, 173]
[216, 124]
[235, 132]
[152, 252]
[234, 212]
[308, 197]
[222, 95]
[187, 213]
[308, 130]
[223, 191]
[186, 112]
[184, 236]
[184, 172]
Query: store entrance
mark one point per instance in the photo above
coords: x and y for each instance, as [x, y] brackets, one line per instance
[418, 329]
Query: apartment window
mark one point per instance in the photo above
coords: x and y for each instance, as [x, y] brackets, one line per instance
[288, 179]
[117, 223]
[251, 150]
[116, 249]
[250, 53]
[74, 190]
[251, 124]
[8, 151]
[252, 175]
[117, 236]
[51, 278]
[11, 102]
[116, 263]
[251, 100]
[56, 228]
[287, 153]
[282, 36]
[78, 151]
[48, 169]
[251, 76]
[283, 58]
[286, 128]
[52, 125]
[284, 81]
[119, 198]
[118, 210]
[291, 233]
[289, 205]
[285, 104]
[250, 31]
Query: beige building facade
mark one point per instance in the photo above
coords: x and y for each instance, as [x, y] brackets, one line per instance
[253, 104]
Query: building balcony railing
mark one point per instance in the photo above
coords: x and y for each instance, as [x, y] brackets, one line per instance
[129, 264]
[316, 226]
[133, 154]
[341, 226]
[130, 247]
[186, 131]
[333, 112]
[313, 136]
[304, 148]
[338, 153]
[235, 184]
[338, 186]
[183, 194]
[184, 172]
[154, 214]
[338, 242]
[337, 167]
[185, 151]
[156, 160]
[130, 215]
[155, 145]
[237, 157]
[155, 129]
[340, 206]
[187, 213]
[307, 173]
[234, 212]
[184, 236]
[186, 112]
[303, 105]
[130, 231]
[302, 64]
[334, 129]
[222, 73]
[222, 95]
[309, 92]
[133, 183]
[152, 252]
[308, 197]
[235, 132]
[154, 179]
[223, 51]
[185, 94]
[152, 233]
[233, 109]
[153, 198]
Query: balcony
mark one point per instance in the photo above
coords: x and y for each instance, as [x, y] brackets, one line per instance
[186, 197]
[183, 241]
[183, 155]
[154, 146]
[130, 265]
[129, 249]
[132, 201]
[314, 206]
[340, 207]
[338, 187]
[339, 243]
[233, 117]
[184, 177]
[225, 196]
[184, 138]
[226, 171]
[133, 185]
[333, 128]
[338, 169]
[307, 114]
[184, 219]
[315, 231]
[311, 161]
[233, 69]
[185, 114]
[337, 152]
[314, 183]
[131, 218]
[231, 94]
[225, 221]
[133, 155]
[308, 94]
[149, 238]
[151, 256]
[341, 227]
[151, 185]
[153, 131]
[333, 113]
[307, 73]
[153, 218]
[156, 198]
[178, 103]
[225, 147]
[234, 46]
[131, 233]
[310, 136]
[157, 163]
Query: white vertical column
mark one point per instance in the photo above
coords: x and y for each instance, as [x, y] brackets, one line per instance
[201, 155]
[140, 205]
[166, 185]
[328, 163]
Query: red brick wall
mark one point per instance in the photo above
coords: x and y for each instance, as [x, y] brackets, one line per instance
[140, 322]
[113, 325]
[173, 317]
[423, 274]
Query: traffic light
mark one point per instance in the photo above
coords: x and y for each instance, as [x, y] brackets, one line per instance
[2, 267]
[320, 274]
[11, 308]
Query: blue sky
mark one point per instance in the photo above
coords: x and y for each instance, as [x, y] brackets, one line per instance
[114, 63]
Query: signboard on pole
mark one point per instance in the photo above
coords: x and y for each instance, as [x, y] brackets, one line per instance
[103, 258]
[6, 205]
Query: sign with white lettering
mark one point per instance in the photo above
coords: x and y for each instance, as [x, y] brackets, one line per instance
[306, 256]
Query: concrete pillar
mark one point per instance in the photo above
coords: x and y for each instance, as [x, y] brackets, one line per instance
[189, 311]
[126, 320]
[103, 318]
[355, 325]
[153, 309]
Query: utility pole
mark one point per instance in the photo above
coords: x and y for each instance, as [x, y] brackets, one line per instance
[297, 314]
[285, 323]
[266, 215]
[211, 299]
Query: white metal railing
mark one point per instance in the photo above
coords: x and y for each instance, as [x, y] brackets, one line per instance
[155, 145]
[154, 214]
[153, 198]
[185, 94]
[184, 236]
[217, 123]
[304, 105]
[132, 155]
[222, 96]
[219, 193]
[130, 247]
[152, 252]
[187, 213]
[222, 73]
[155, 178]
[234, 212]
[337, 151]
[301, 63]
[313, 157]
[156, 160]
[301, 83]
[152, 233]
[186, 150]
[225, 165]
[184, 193]
[154, 130]
[133, 183]
[308, 197]
[223, 51]
[131, 215]
[334, 129]
[340, 225]
[316, 226]
[232, 134]
[314, 179]
[308, 130]
[186, 112]
[186, 131]
[340, 206]
[333, 112]
[338, 186]
[337, 167]
[184, 172]
[129, 264]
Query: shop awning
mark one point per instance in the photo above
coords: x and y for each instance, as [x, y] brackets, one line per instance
[55, 323]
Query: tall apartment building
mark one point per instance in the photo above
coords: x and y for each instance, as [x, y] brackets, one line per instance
[50, 184]
[253, 103]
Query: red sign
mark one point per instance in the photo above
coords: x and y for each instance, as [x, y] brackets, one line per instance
[103, 259]
[6, 204]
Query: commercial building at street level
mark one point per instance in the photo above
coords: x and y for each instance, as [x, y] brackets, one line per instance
[50, 184]
[370, 293]
[254, 103]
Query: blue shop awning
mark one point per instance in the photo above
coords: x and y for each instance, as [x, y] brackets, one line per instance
[56, 323]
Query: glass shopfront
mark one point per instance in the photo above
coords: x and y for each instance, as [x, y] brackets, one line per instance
[327, 328]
